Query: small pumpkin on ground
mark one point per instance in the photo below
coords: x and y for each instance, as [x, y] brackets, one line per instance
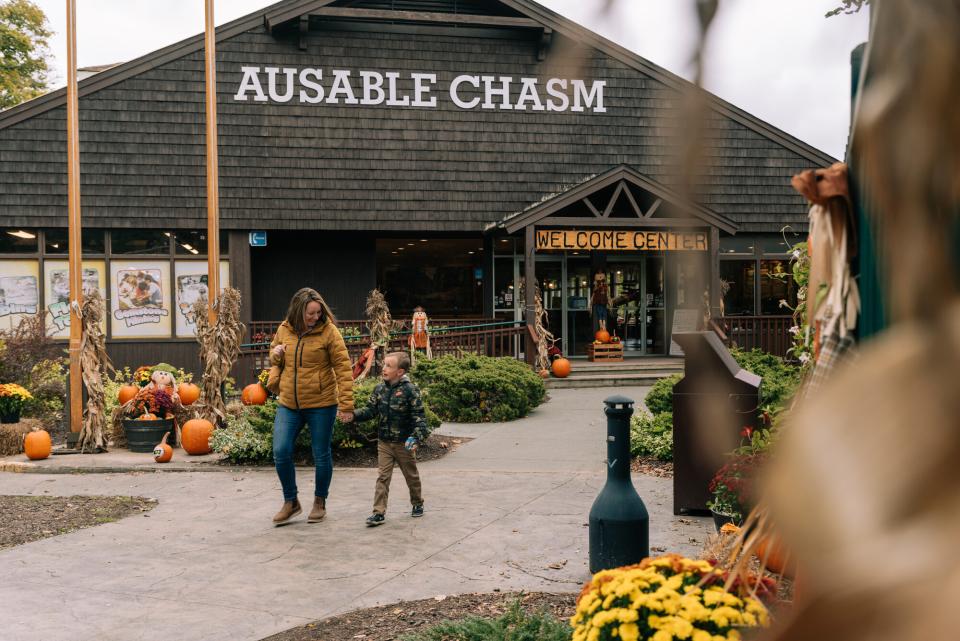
[561, 368]
[162, 453]
[37, 445]
[195, 436]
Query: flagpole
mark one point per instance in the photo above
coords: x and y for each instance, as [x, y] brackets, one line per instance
[213, 191]
[73, 233]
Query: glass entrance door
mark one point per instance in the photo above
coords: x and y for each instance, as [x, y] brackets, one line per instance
[638, 302]
[579, 329]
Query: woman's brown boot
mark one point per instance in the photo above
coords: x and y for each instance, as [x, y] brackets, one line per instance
[319, 510]
[289, 510]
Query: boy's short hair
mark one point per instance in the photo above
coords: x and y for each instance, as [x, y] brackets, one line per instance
[403, 360]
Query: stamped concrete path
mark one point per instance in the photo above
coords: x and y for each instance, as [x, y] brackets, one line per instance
[506, 511]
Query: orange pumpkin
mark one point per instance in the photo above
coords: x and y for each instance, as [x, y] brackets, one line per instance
[188, 393]
[37, 445]
[126, 393]
[254, 394]
[195, 436]
[148, 417]
[603, 336]
[561, 368]
[162, 453]
[770, 552]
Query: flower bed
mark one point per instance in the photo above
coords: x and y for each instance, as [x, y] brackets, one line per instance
[660, 599]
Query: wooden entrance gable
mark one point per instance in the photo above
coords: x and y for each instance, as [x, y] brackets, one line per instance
[620, 198]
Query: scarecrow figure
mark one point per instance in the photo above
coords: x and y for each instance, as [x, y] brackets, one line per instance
[162, 378]
[419, 333]
[600, 299]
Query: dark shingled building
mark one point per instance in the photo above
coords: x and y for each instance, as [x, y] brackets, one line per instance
[445, 151]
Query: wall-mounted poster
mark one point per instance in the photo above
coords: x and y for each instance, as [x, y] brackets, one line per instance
[19, 291]
[140, 299]
[57, 291]
[191, 284]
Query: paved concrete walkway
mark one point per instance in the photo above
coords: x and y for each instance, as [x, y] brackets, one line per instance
[506, 511]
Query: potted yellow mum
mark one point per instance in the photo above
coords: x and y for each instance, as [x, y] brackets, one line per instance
[12, 399]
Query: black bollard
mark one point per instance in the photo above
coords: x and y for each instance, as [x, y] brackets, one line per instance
[619, 522]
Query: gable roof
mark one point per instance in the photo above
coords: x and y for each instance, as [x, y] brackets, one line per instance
[292, 9]
[592, 184]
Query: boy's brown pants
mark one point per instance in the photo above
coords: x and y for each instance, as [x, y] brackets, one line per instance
[389, 454]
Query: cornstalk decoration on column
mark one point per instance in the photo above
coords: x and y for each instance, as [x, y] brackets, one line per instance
[379, 323]
[95, 364]
[544, 337]
[219, 349]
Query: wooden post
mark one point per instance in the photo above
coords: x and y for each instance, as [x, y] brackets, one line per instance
[713, 272]
[73, 212]
[213, 188]
[530, 292]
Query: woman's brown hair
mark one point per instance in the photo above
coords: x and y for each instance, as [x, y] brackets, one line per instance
[298, 304]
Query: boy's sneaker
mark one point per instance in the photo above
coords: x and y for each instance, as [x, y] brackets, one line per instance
[375, 519]
[417, 510]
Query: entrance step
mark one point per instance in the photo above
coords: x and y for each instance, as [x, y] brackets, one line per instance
[639, 372]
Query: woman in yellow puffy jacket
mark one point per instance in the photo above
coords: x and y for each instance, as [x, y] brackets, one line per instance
[315, 386]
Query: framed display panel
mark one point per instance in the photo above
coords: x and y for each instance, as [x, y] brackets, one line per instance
[190, 284]
[140, 298]
[56, 291]
[19, 291]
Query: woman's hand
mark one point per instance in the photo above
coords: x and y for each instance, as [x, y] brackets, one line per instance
[345, 417]
[278, 351]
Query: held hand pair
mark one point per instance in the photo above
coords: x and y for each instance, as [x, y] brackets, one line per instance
[345, 417]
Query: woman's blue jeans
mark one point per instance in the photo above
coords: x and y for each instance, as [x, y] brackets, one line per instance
[286, 427]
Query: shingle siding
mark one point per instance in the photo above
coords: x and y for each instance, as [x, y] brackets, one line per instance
[303, 166]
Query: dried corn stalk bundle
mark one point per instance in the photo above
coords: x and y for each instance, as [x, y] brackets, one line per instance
[219, 349]
[379, 321]
[379, 324]
[545, 338]
[94, 365]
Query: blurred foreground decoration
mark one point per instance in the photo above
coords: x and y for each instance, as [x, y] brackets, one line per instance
[866, 490]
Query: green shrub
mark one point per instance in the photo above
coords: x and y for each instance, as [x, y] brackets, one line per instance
[780, 382]
[652, 436]
[660, 397]
[513, 625]
[248, 438]
[31, 358]
[475, 389]
[780, 378]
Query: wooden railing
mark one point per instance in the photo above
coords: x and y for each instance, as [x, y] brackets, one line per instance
[465, 337]
[769, 333]
[263, 331]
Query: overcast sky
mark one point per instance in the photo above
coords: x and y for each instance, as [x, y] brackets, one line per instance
[780, 60]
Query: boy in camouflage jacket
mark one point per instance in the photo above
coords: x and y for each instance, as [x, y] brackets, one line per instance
[401, 426]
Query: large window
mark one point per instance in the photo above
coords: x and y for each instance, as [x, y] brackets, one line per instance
[442, 275]
[738, 278]
[757, 275]
[148, 285]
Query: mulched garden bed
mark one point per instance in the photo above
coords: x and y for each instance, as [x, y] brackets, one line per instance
[31, 518]
[652, 467]
[389, 622]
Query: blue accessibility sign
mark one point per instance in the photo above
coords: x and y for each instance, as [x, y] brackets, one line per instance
[258, 239]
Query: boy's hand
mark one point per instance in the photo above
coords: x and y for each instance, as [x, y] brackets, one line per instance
[278, 351]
